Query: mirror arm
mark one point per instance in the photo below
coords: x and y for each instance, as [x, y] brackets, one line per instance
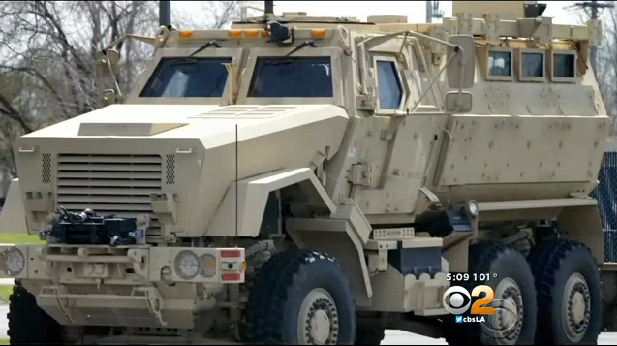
[423, 64]
[429, 87]
[461, 51]
[432, 39]
[115, 79]
[366, 41]
[362, 47]
[145, 39]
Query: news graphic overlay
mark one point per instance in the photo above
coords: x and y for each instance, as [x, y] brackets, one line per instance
[498, 318]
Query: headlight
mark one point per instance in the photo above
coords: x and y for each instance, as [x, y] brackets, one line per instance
[15, 261]
[474, 208]
[208, 265]
[186, 264]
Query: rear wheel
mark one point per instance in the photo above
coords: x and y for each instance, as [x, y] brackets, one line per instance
[512, 282]
[301, 297]
[569, 293]
[28, 323]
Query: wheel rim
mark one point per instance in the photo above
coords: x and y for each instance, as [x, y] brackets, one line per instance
[576, 307]
[318, 319]
[507, 322]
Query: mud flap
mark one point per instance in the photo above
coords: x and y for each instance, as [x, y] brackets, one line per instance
[583, 223]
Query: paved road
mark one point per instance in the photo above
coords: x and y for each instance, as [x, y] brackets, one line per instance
[393, 337]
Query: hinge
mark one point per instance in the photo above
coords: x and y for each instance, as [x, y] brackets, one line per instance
[365, 102]
[362, 174]
[491, 28]
[387, 135]
[465, 23]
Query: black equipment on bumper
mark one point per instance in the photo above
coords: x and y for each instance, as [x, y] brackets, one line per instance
[87, 227]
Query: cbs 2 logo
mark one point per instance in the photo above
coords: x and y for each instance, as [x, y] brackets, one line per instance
[457, 300]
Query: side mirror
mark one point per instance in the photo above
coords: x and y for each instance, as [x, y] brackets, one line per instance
[280, 33]
[459, 103]
[462, 63]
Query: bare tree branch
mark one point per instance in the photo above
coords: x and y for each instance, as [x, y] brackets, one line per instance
[47, 70]
[8, 110]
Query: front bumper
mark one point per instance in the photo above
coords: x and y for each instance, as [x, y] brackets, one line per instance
[128, 286]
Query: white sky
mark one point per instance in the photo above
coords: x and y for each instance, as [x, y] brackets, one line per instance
[414, 10]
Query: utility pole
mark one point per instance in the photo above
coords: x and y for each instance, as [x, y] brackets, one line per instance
[268, 10]
[268, 7]
[429, 11]
[595, 7]
[433, 11]
[164, 13]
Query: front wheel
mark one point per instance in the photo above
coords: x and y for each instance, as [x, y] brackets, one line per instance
[28, 323]
[301, 297]
[569, 293]
[370, 336]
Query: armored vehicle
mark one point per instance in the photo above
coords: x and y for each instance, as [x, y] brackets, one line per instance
[308, 180]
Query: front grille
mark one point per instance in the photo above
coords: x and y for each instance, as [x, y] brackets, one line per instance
[109, 184]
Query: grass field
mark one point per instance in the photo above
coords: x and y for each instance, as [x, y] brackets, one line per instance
[5, 292]
[19, 238]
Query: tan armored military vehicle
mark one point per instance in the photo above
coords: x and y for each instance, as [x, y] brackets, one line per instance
[302, 180]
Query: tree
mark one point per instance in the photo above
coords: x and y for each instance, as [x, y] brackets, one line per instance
[606, 64]
[48, 53]
[206, 14]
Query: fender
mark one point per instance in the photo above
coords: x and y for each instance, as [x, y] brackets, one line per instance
[346, 225]
[583, 223]
[13, 218]
[244, 209]
[578, 218]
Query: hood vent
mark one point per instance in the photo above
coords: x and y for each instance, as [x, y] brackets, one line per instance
[126, 129]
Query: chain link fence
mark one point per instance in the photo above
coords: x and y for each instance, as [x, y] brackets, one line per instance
[606, 194]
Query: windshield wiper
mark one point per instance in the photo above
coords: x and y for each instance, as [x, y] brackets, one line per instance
[182, 61]
[209, 44]
[302, 45]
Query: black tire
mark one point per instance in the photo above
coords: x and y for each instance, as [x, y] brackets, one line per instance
[28, 323]
[284, 282]
[554, 262]
[370, 337]
[501, 262]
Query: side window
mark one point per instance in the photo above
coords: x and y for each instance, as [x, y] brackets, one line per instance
[390, 88]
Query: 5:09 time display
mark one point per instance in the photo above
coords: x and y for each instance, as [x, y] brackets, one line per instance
[470, 276]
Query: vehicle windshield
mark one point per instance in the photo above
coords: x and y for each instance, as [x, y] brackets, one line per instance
[187, 77]
[292, 77]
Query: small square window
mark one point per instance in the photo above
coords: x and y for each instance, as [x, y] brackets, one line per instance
[532, 65]
[563, 65]
[499, 63]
